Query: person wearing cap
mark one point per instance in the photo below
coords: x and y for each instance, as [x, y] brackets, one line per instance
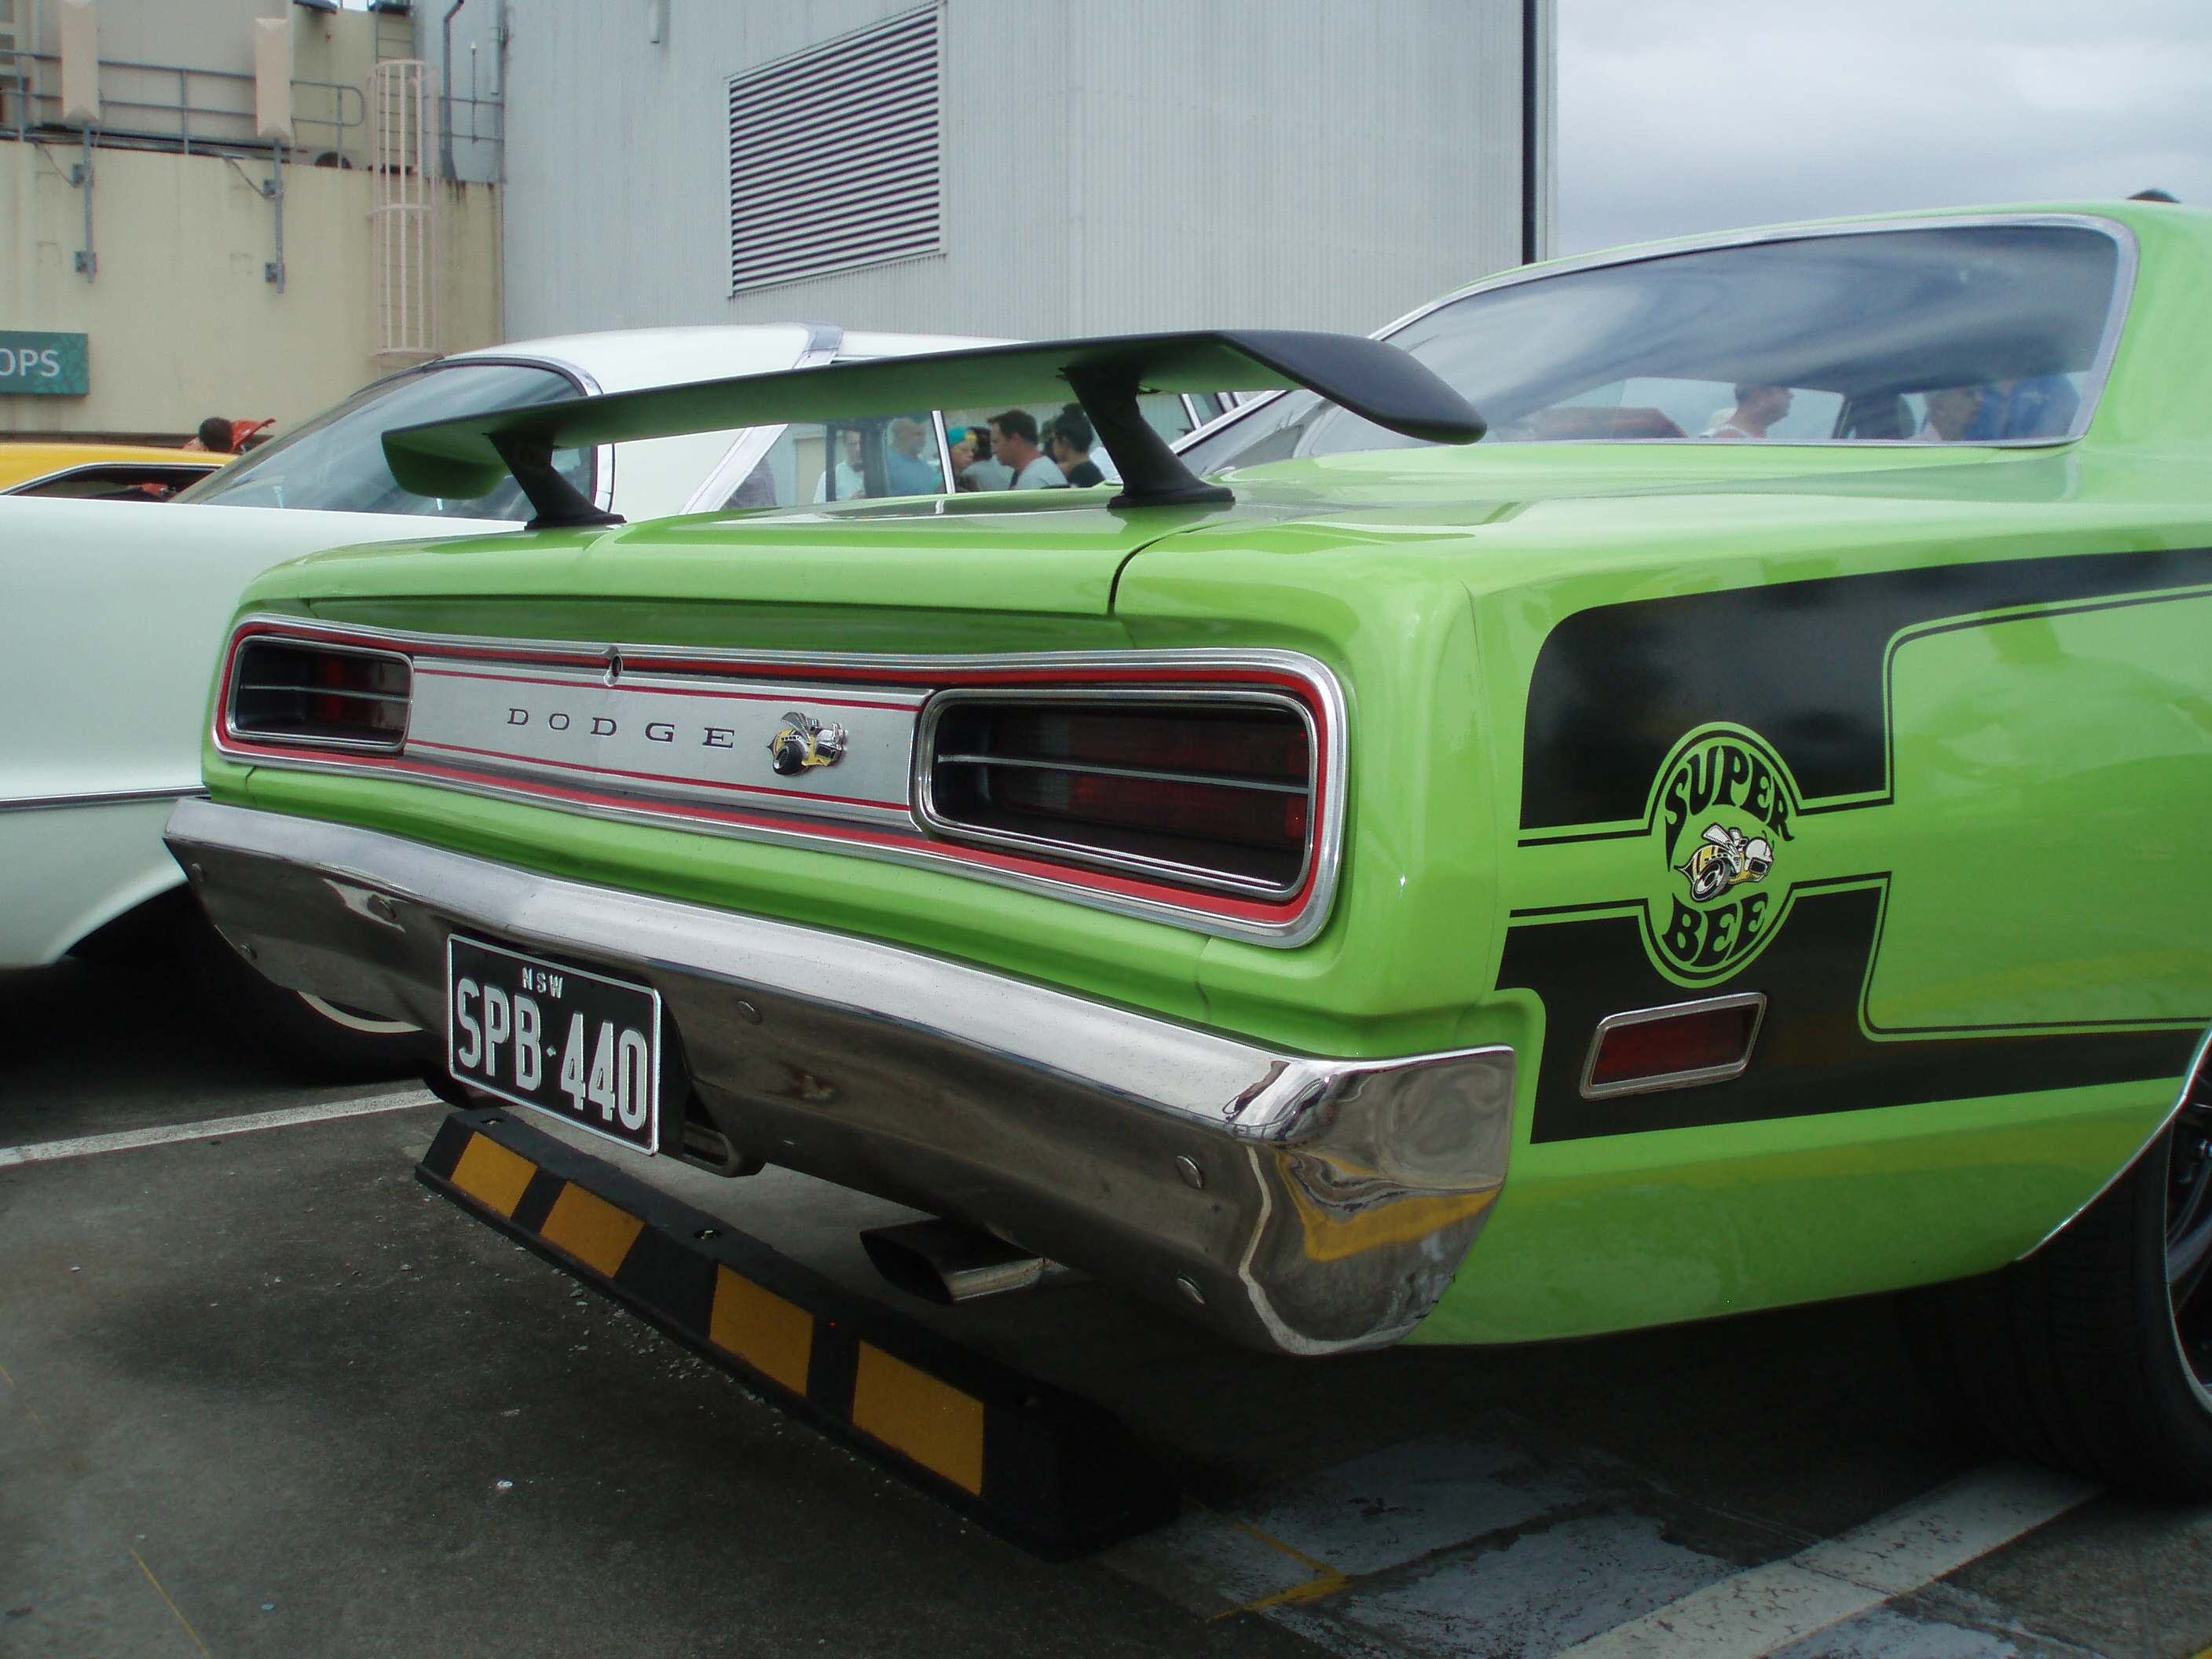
[983, 470]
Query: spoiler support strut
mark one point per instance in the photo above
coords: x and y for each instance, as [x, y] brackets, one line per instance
[560, 504]
[1152, 475]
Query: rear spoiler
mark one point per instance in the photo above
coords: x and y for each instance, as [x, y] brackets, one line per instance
[466, 458]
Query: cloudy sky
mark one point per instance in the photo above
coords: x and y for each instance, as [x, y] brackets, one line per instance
[1680, 116]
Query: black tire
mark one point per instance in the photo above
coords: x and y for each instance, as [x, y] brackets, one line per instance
[2080, 1356]
[317, 1040]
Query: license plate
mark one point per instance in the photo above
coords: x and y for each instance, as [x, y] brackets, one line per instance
[579, 1045]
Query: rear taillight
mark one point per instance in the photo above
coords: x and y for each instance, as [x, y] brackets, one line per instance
[288, 691]
[1708, 1041]
[1205, 789]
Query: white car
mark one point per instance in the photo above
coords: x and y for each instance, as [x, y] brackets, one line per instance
[116, 612]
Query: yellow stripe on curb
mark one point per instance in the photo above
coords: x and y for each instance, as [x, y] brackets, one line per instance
[1042, 1467]
[493, 1176]
[759, 1328]
[933, 1423]
[590, 1229]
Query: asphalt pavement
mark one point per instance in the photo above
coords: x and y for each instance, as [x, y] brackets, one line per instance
[261, 1393]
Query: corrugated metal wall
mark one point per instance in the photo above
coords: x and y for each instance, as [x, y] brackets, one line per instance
[1111, 165]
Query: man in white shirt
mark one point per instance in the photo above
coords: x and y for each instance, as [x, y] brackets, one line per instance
[1014, 441]
[845, 475]
[1757, 408]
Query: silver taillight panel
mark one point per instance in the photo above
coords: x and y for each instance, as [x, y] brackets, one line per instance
[901, 825]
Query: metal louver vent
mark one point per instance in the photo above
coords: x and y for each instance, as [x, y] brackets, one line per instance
[834, 155]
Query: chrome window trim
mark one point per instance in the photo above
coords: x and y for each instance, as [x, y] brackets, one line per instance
[196, 470]
[100, 798]
[358, 746]
[944, 452]
[2123, 284]
[925, 802]
[823, 341]
[735, 465]
[1284, 934]
[1645, 1085]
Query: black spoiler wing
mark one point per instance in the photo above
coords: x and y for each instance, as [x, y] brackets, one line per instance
[465, 459]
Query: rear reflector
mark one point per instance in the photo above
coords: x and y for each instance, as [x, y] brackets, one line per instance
[1674, 1047]
[318, 696]
[1193, 788]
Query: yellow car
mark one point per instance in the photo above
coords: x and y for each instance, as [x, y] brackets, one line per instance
[104, 472]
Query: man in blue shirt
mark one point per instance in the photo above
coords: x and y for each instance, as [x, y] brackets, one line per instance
[904, 468]
[2040, 407]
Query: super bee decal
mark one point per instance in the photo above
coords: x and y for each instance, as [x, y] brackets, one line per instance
[1708, 803]
[1721, 802]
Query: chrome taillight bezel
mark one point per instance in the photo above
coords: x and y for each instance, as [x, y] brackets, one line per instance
[1058, 850]
[234, 685]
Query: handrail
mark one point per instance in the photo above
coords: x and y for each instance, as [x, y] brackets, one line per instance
[28, 94]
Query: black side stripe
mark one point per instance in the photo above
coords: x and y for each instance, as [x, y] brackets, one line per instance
[1812, 1056]
[1801, 663]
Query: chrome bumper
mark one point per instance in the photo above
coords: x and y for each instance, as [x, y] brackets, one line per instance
[1304, 1205]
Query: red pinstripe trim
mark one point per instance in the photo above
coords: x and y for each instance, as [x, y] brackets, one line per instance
[660, 691]
[651, 777]
[1068, 875]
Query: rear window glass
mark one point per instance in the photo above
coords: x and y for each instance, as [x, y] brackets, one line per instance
[863, 458]
[335, 461]
[1956, 334]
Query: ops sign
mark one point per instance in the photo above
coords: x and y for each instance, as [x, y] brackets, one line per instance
[51, 365]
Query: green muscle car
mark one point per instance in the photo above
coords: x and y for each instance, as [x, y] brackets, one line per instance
[1664, 784]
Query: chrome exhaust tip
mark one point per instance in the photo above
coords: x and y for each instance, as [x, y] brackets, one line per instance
[946, 1262]
[705, 1147]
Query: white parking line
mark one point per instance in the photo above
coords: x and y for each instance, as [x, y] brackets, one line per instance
[86, 1146]
[1765, 1609]
[1446, 1546]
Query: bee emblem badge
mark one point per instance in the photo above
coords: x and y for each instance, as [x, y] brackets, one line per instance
[1724, 858]
[800, 744]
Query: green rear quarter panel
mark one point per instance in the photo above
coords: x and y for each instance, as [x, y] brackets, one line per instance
[1962, 694]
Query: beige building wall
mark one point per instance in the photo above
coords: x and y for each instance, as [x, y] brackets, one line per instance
[182, 323]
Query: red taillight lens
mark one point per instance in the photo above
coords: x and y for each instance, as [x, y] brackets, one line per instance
[1215, 793]
[1209, 745]
[1205, 811]
[1698, 1043]
[289, 691]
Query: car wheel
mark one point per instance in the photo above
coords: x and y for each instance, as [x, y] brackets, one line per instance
[2094, 1354]
[315, 1037]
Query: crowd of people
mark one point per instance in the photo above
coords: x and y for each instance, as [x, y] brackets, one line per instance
[2039, 406]
[1012, 451]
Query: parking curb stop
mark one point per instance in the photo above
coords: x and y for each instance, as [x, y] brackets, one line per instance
[1040, 1466]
